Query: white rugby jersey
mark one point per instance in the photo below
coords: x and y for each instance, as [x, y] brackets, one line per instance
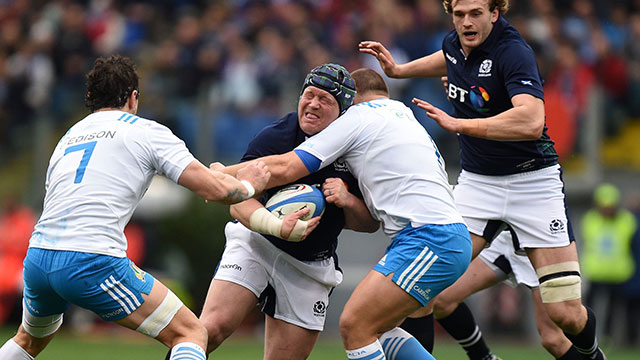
[399, 169]
[97, 174]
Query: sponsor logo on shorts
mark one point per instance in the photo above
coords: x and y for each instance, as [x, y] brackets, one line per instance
[425, 293]
[28, 301]
[319, 308]
[231, 266]
[137, 271]
[383, 261]
[111, 314]
[556, 226]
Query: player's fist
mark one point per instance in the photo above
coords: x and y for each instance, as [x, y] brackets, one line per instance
[216, 166]
[257, 173]
[295, 230]
[336, 192]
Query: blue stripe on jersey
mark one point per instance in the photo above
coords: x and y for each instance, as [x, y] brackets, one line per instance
[134, 120]
[121, 116]
[311, 162]
[372, 104]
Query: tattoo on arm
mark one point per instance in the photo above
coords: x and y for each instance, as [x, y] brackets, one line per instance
[234, 196]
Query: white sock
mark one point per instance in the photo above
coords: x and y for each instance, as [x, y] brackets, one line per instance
[187, 351]
[12, 351]
[400, 345]
[372, 351]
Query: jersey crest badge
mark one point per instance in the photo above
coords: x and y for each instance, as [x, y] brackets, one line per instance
[485, 68]
[340, 165]
[137, 271]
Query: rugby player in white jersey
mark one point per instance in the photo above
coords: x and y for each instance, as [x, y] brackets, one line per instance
[98, 173]
[402, 178]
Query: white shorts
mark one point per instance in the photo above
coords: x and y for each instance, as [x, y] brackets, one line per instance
[296, 291]
[514, 269]
[531, 204]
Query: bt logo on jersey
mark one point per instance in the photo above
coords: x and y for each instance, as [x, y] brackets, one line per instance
[455, 91]
[478, 96]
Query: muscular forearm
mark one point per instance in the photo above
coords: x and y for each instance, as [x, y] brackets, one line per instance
[242, 211]
[212, 185]
[357, 216]
[285, 168]
[433, 65]
[522, 122]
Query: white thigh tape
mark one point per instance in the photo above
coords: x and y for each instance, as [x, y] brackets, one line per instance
[161, 316]
[40, 326]
[560, 282]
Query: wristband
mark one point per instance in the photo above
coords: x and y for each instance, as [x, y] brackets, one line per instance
[250, 189]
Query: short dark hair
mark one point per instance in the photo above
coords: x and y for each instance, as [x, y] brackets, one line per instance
[110, 82]
[368, 80]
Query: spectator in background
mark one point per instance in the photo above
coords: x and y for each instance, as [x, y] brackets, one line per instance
[632, 286]
[16, 225]
[607, 259]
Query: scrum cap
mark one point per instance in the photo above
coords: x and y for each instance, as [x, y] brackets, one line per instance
[335, 80]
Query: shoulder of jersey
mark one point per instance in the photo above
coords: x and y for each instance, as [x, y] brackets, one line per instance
[128, 118]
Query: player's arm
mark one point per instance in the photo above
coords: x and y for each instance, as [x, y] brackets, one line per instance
[525, 121]
[284, 168]
[255, 216]
[433, 65]
[356, 214]
[214, 185]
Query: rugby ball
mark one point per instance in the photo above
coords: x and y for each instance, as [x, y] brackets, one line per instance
[296, 197]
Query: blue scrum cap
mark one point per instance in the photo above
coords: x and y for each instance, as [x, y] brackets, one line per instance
[335, 80]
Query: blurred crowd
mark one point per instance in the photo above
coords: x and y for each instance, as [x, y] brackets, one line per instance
[215, 72]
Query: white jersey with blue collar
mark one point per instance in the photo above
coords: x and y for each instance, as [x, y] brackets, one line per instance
[399, 169]
[98, 173]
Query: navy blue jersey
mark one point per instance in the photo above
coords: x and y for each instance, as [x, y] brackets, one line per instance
[283, 136]
[482, 85]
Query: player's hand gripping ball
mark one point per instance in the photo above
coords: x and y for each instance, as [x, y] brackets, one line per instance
[297, 197]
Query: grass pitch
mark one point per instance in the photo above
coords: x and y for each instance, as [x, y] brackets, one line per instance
[125, 345]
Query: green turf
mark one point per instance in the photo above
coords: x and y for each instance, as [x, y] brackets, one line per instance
[129, 345]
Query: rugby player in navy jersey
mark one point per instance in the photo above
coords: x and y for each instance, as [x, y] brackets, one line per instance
[402, 178]
[289, 266]
[510, 174]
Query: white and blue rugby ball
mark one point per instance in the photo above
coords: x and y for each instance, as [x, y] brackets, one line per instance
[296, 197]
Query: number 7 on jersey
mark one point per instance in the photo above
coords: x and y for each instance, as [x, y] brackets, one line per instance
[88, 151]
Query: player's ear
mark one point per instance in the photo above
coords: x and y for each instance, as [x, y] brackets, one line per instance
[132, 101]
[495, 14]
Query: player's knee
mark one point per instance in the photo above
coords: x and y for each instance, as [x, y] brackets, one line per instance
[567, 315]
[218, 328]
[347, 324]
[443, 306]
[171, 322]
[553, 342]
